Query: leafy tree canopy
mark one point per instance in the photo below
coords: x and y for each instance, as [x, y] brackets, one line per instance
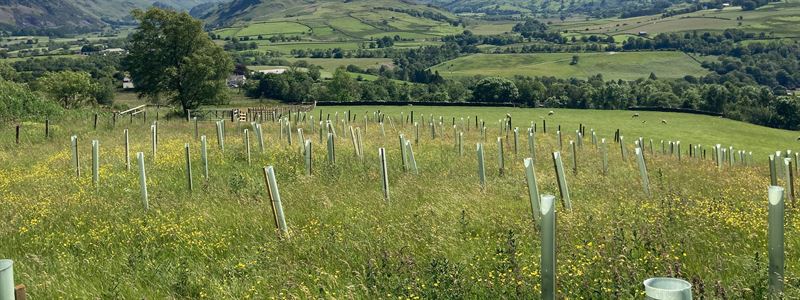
[171, 58]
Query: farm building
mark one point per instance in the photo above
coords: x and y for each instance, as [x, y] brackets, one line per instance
[127, 83]
[235, 81]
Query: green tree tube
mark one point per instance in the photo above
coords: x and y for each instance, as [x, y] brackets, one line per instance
[95, 162]
[501, 156]
[775, 240]
[384, 173]
[548, 257]
[574, 157]
[643, 171]
[307, 154]
[220, 137]
[532, 144]
[562, 181]
[142, 180]
[533, 188]
[403, 155]
[411, 160]
[604, 150]
[204, 155]
[275, 198]
[127, 150]
[481, 166]
[331, 149]
[7, 279]
[460, 144]
[788, 179]
[153, 141]
[247, 145]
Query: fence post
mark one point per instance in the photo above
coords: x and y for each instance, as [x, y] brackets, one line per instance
[75, 157]
[560, 143]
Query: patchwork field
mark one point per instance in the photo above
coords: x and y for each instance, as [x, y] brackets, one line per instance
[619, 65]
[439, 235]
[774, 19]
[335, 21]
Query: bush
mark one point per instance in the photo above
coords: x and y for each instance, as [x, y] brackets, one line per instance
[18, 102]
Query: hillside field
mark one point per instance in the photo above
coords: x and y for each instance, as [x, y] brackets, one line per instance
[337, 21]
[439, 235]
[613, 65]
[778, 19]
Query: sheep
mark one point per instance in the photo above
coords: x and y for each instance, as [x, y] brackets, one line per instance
[550, 113]
[663, 121]
[636, 115]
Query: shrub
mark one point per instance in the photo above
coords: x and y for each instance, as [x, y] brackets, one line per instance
[18, 102]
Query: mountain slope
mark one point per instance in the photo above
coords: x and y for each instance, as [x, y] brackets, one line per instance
[79, 13]
[263, 10]
[330, 21]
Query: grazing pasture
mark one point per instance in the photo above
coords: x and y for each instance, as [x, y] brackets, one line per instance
[440, 234]
[777, 19]
[613, 65]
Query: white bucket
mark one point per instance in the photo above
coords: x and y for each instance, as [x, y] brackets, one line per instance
[665, 288]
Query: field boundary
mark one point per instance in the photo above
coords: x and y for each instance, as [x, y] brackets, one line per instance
[412, 103]
[675, 109]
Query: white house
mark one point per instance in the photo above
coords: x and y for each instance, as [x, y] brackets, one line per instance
[272, 71]
[127, 84]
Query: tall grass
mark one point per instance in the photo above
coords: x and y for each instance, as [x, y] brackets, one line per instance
[439, 236]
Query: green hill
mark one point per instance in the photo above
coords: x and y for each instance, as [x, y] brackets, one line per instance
[621, 65]
[332, 20]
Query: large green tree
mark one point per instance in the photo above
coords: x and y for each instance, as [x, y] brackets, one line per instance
[342, 87]
[495, 90]
[172, 58]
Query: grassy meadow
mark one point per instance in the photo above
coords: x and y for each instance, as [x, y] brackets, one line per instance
[613, 65]
[440, 235]
[778, 19]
